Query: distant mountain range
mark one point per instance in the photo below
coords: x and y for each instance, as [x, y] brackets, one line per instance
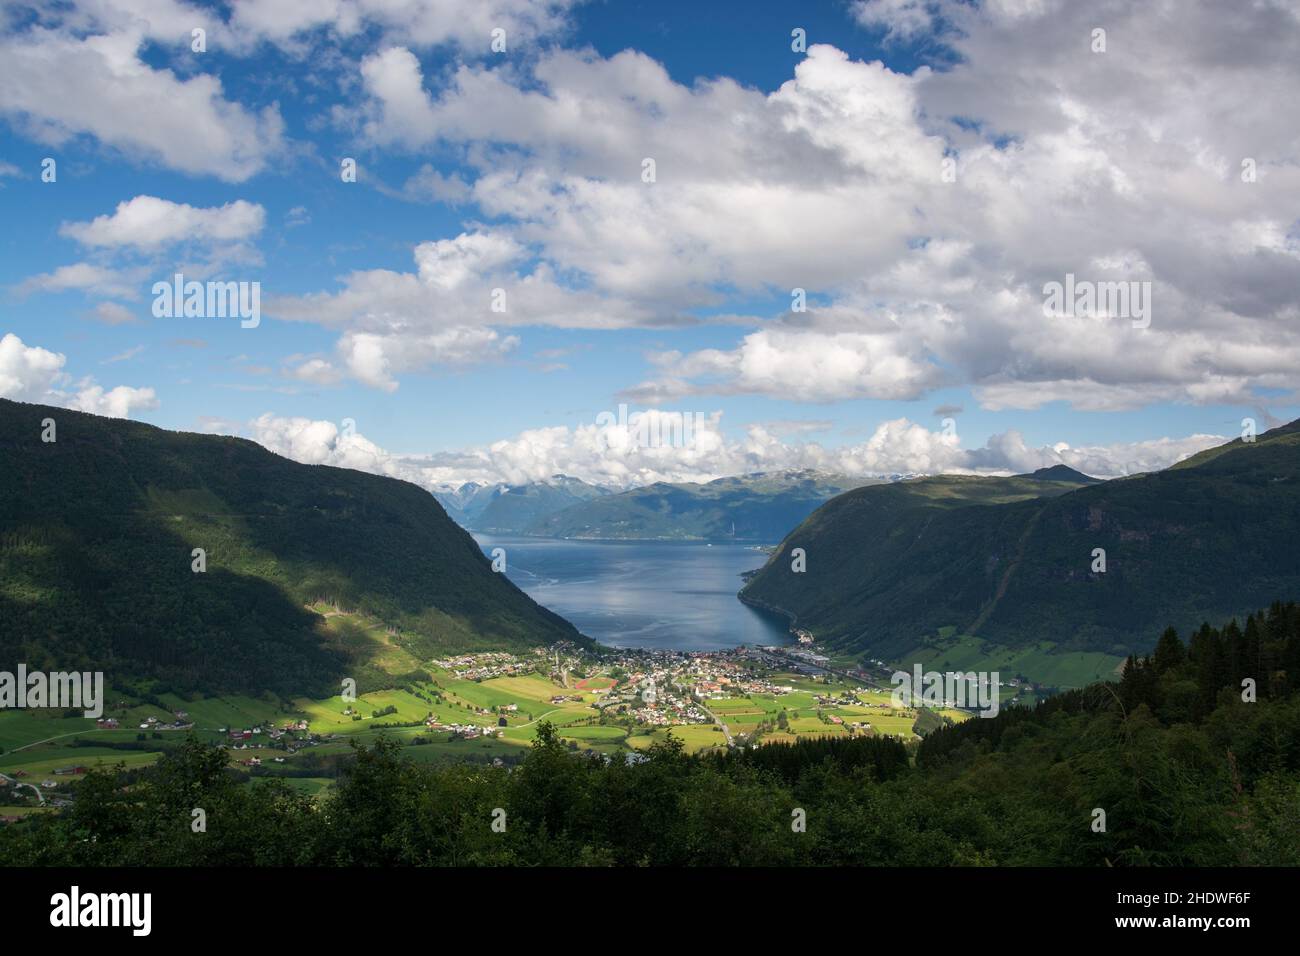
[1010, 561]
[760, 507]
[515, 509]
[98, 529]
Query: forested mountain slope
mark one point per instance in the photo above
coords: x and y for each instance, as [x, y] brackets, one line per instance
[98, 529]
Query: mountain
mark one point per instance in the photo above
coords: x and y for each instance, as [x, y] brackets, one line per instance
[464, 503]
[1009, 560]
[514, 509]
[1062, 473]
[760, 507]
[97, 530]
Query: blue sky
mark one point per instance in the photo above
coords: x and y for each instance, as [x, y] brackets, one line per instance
[776, 168]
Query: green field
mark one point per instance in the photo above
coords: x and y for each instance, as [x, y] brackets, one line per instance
[1047, 666]
[696, 737]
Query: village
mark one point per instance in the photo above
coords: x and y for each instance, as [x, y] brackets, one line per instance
[607, 702]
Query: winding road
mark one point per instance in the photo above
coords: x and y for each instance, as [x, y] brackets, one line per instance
[20, 783]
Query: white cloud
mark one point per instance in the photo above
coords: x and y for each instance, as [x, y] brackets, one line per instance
[901, 19]
[147, 222]
[422, 23]
[374, 359]
[1115, 167]
[59, 85]
[798, 365]
[318, 371]
[449, 264]
[317, 442]
[117, 402]
[34, 374]
[612, 455]
[147, 237]
[27, 374]
[428, 185]
[84, 277]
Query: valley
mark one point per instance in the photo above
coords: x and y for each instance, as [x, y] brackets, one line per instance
[483, 708]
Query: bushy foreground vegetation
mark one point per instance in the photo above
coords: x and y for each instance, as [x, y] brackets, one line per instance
[1186, 771]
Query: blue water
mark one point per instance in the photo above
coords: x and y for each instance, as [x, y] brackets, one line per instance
[642, 594]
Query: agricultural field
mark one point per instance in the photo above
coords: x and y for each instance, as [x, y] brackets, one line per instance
[39, 742]
[696, 737]
[962, 652]
[804, 714]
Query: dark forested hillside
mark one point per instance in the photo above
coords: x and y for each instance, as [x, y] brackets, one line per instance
[1185, 768]
[98, 528]
[889, 566]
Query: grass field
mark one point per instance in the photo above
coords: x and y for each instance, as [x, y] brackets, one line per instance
[312, 786]
[1045, 665]
[594, 732]
[695, 737]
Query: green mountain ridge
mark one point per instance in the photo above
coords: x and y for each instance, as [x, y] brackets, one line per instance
[1062, 473]
[97, 531]
[890, 568]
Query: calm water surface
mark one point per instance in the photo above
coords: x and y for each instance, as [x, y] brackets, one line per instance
[642, 593]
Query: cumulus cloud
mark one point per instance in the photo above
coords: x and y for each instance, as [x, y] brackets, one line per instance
[59, 84]
[316, 442]
[27, 373]
[926, 209]
[117, 402]
[900, 19]
[613, 451]
[802, 366]
[147, 222]
[429, 185]
[33, 374]
[147, 237]
[375, 359]
[421, 23]
[318, 371]
[922, 211]
[448, 311]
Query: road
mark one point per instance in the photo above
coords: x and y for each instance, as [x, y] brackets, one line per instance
[37, 743]
[726, 731]
[19, 783]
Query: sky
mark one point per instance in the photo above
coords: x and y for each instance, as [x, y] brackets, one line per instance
[826, 232]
